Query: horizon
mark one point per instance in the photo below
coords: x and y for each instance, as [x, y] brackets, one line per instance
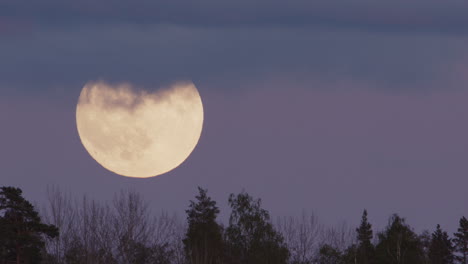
[315, 107]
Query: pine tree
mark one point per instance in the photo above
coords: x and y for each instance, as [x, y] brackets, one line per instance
[21, 229]
[365, 249]
[203, 241]
[441, 248]
[250, 235]
[461, 241]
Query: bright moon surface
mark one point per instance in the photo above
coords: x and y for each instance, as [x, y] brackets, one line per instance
[136, 133]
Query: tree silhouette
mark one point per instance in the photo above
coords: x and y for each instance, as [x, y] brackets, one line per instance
[142, 254]
[203, 242]
[365, 249]
[398, 244]
[250, 236]
[21, 229]
[302, 236]
[461, 241]
[350, 255]
[124, 231]
[425, 238]
[329, 255]
[441, 248]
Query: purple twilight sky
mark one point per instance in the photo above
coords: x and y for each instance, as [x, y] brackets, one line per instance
[330, 108]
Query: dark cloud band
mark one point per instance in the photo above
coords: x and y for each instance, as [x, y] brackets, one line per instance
[430, 15]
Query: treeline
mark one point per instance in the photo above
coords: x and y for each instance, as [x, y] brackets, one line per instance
[125, 230]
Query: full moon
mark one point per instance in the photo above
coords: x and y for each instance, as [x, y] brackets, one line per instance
[136, 133]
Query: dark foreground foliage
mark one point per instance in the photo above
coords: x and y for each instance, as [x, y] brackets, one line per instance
[125, 231]
[21, 229]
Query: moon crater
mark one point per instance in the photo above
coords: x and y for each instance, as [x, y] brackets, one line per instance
[137, 133]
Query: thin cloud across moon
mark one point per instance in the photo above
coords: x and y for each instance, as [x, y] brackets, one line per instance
[137, 133]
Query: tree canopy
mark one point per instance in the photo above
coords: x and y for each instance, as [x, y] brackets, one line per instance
[398, 244]
[21, 228]
[125, 232]
[441, 248]
[461, 241]
[251, 237]
[365, 249]
[203, 241]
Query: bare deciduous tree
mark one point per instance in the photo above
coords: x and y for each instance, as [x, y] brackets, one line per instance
[339, 237]
[59, 211]
[302, 235]
[124, 231]
[131, 222]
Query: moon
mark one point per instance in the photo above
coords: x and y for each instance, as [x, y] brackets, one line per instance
[136, 133]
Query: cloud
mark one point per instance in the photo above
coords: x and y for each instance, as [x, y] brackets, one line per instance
[400, 15]
[228, 59]
[127, 97]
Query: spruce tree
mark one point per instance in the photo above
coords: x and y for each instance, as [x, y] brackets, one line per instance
[461, 241]
[21, 229]
[441, 248]
[365, 249]
[203, 242]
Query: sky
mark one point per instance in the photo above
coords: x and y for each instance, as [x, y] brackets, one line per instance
[322, 106]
